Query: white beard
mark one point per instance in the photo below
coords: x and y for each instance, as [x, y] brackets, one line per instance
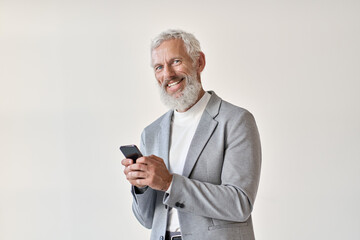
[188, 96]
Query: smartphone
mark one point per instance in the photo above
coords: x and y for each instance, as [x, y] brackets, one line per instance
[131, 151]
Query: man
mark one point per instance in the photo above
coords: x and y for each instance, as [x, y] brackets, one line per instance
[200, 171]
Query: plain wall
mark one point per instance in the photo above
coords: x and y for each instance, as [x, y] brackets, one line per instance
[76, 84]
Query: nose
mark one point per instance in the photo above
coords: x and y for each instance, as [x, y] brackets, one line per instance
[169, 72]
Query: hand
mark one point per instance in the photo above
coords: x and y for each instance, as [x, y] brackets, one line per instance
[127, 162]
[148, 171]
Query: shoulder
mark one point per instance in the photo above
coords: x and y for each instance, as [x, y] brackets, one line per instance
[233, 113]
[231, 118]
[229, 108]
[237, 123]
[223, 110]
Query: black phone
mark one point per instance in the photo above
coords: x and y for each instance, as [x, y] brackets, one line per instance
[131, 151]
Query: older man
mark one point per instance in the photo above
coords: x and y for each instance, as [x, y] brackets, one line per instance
[200, 171]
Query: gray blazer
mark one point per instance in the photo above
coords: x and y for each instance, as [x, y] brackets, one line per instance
[215, 194]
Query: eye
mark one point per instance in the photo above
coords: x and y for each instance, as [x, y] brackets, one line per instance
[158, 68]
[176, 61]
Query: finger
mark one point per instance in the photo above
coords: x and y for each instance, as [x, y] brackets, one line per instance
[156, 158]
[141, 182]
[143, 160]
[126, 162]
[136, 175]
[133, 168]
[149, 159]
[138, 182]
[137, 167]
[127, 170]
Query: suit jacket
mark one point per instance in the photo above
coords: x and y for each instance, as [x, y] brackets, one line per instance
[215, 194]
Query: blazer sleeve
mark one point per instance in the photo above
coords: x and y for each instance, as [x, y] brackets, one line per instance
[143, 206]
[233, 199]
[144, 200]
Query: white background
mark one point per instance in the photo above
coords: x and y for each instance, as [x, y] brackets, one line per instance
[76, 84]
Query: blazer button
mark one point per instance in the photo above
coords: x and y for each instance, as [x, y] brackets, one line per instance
[180, 205]
[161, 238]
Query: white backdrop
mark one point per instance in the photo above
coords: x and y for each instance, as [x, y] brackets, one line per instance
[76, 84]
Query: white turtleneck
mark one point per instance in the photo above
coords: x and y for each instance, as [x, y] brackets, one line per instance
[183, 127]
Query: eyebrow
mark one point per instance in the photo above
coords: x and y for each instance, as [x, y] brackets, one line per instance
[171, 59]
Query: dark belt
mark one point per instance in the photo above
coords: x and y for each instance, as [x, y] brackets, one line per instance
[173, 235]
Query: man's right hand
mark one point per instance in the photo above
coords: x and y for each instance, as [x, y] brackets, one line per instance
[148, 171]
[127, 162]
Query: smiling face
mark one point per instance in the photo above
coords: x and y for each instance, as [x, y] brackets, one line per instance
[178, 76]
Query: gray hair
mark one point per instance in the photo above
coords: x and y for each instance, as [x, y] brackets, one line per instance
[192, 45]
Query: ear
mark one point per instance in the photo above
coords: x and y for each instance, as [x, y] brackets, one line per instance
[201, 62]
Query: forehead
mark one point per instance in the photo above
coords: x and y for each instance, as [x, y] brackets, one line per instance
[169, 49]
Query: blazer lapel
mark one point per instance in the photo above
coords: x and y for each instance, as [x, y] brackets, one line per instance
[164, 137]
[203, 133]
